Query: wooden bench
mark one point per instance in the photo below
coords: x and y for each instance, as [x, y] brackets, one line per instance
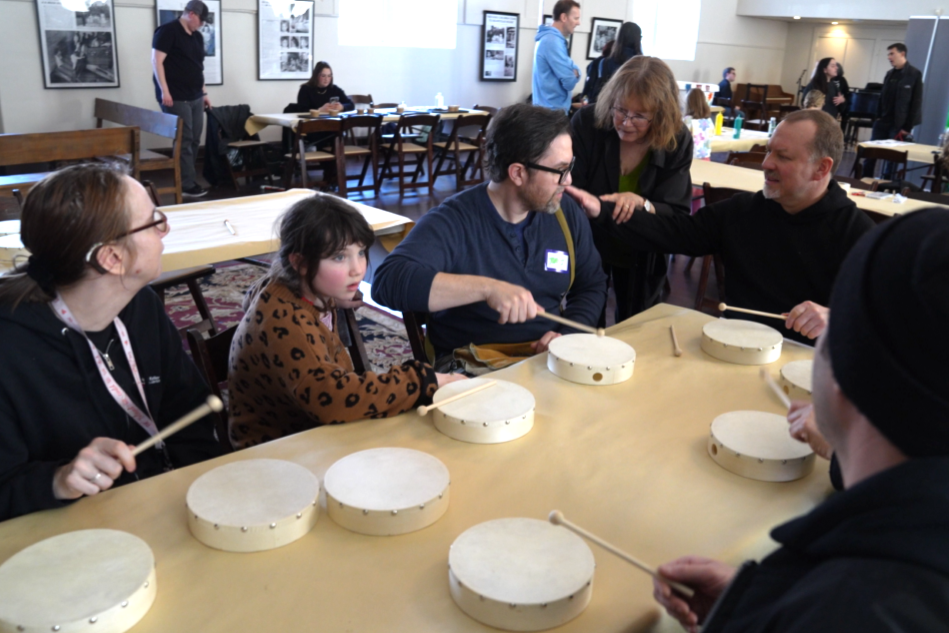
[157, 123]
[75, 145]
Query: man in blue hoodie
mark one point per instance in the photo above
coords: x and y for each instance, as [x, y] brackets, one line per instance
[555, 74]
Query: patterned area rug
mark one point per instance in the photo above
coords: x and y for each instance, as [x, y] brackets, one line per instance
[384, 335]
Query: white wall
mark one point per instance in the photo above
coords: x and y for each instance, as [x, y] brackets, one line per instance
[754, 46]
[843, 10]
[861, 49]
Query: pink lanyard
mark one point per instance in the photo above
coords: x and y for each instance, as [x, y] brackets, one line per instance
[143, 418]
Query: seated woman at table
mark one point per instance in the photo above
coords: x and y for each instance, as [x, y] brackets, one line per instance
[289, 370]
[320, 91]
[633, 151]
[92, 364]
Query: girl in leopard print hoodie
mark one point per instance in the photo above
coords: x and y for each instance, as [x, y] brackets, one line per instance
[289, 370]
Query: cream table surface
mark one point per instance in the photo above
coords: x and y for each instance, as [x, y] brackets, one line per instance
[916, 152]
[199, 236]
[258, 122]
[722, 175]
[627, 462]
[725, 142]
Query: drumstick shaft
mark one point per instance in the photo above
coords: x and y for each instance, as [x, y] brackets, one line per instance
[458, 396]
[213, 404]
[576, 529]
[675, 341]
[567, 322]
[758, 312]
[775, 388]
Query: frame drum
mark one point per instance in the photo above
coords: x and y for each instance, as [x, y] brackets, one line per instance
[757, 445]
[741, 342]
[253, 505]
[501, 413]
[101, 581]
[386, 491]
[796, 379]
[520, 574]
[591, 360]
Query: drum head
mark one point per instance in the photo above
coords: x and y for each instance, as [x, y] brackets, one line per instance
[521, 561]
[741, 342]
[76, 580]
[588, 359]
[385, 491]
[757, 445]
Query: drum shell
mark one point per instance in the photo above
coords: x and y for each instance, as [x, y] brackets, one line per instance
[529, 617]
[483, 433]
[387, 522]
[566, 361]
[791, 386]
[740, 355]
[256, 538]
[498, 414]
[798, 461]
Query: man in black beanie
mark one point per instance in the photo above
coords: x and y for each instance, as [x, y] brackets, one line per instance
[876, 556]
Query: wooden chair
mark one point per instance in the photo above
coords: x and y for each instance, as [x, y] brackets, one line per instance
[489, 109]
[712, 196]
[301, 159]
[385, 105]
[926, 196]
[158, 123]
[211, 356]
[879, 153]
[856, 183]
[938, 176]
[415, 324]
[370, 155]
[755, 105]
[188, 276]
[400, 148]
[452, 150]
[749, 160]
[76, 145]
[367, 99]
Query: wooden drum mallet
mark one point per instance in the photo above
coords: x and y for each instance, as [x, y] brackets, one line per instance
[424, 409]
[213, 403]
[573, 324]
[556, 517]
[724, 307]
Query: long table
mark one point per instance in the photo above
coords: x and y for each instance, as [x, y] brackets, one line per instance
[628, 462]
[726, 141]
[290, 120]
[915, 152]
[200, 236]
[722, 175]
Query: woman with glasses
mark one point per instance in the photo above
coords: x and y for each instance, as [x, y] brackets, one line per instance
[633, 151]
[92, 364]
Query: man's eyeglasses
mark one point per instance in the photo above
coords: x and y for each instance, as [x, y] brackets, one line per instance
[560, 172]
[622, 116]
[159, 221]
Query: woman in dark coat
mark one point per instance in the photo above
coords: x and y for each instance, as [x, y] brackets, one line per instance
[823, 80]
[633, 151]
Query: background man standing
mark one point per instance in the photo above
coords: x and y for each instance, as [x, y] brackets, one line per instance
[901, 103]
[555, 74]
[178, 73]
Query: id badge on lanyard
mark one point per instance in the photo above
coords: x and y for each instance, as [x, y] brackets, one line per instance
[143, 418]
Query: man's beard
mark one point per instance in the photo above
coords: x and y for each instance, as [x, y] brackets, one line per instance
[548, 206]
[770, 192]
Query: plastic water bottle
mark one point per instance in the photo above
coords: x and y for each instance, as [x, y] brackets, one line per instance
[439, 101]
[773, 123]
[739, 119]
[719, 122]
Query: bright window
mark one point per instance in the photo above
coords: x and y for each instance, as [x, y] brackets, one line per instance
[670, 29]
[416, 24]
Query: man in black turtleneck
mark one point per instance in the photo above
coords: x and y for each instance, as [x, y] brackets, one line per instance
[782, 246]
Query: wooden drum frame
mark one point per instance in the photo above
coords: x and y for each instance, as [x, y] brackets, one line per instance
[741, 342]
[757, 445]
[502, 413]
[591, 360]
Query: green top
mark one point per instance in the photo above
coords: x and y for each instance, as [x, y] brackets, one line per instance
[630, 182]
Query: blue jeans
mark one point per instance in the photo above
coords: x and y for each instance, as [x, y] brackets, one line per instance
[192, 119]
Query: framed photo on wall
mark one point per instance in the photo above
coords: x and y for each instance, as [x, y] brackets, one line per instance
[549, 21]
[77, 42]
[284, 39]
[602, 31]
[499, 46]
[168, 10]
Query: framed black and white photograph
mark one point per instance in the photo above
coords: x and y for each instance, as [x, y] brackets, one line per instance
[499, 46]
[77, 42]
[285, 39]
[549, 21]
[601, 32]
[168, 10]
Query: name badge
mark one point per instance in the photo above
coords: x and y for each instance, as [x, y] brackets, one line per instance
[557, 261]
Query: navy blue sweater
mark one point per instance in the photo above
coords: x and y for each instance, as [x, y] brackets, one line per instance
[466, 235]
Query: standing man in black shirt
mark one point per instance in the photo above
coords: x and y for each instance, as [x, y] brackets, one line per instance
[178, 73]
[901, 103]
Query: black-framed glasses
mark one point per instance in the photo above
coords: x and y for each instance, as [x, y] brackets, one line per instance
[159, 221]
[624, 117]
[560, 172]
